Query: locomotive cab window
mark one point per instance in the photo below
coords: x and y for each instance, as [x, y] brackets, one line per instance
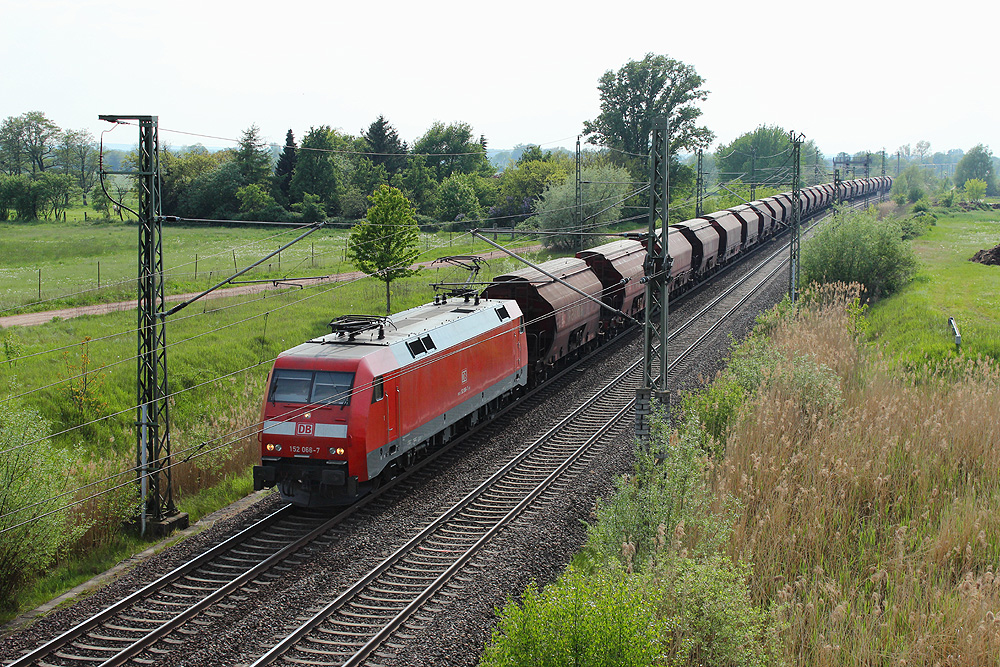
[502, 313]
[299, 386]
[416, 347]
[378, 389]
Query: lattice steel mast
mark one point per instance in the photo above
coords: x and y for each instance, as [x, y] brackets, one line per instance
[795, 244]
[152, 411]
[656, 278]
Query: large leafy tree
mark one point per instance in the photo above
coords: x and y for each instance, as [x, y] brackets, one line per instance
[315, 169]
[457, 201]
[179, 170]
[418, 183]
[641, 91]
[384, 244]
[40, 136]
[13, 158]
[28, 143]
[977, 163]
[604, 192]
[450, 149]
[762, 156]
[382, 141]
[78, 157]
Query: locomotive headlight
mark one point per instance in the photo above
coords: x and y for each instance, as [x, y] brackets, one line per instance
[277, 448]
[270, 447]
[339, 451]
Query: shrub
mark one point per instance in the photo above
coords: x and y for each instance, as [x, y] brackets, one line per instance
[587, 621]
[856, 247]
[34, 528]
[665, 505]
[921, 205]
[917, 225]
[947, 198]
[707, 606]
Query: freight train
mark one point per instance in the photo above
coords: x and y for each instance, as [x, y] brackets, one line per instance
[350, 408]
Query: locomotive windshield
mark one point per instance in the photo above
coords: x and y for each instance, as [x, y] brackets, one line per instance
[323, 387]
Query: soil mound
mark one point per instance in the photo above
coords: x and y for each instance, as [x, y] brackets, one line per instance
[990, 257]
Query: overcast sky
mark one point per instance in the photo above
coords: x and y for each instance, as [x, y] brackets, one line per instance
[850, 75]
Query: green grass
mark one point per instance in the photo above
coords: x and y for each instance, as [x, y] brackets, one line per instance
[913, 324]
[78, 263]
[75, 570]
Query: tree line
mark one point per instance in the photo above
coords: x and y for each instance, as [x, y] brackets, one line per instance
[446, 173]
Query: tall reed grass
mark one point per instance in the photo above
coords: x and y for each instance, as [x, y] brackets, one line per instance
[817, 505]
[872, 524]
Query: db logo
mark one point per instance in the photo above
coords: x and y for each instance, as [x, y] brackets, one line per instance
[304, 428]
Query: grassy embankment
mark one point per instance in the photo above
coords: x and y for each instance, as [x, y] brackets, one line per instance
[831, 499]
[914, 324]
[219, 354]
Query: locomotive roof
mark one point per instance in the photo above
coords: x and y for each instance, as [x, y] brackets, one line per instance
[447, 323]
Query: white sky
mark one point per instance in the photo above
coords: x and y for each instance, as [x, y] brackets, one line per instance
[849, 75]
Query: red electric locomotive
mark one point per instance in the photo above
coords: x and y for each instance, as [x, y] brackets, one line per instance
[374, 393]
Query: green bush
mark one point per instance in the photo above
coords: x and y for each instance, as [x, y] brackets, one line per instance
[947, 198]
[917, 225]
[717, 407]
[581, 620]
[857, 247]
[665, 506]
[33, 528]
[706, 604]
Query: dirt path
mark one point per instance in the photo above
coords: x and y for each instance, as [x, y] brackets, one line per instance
[33, 319]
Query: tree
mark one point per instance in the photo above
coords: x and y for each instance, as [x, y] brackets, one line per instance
[449, 149]
[212, 194]
[179, 170]
[457, 200]
[13, 158]
[315, 171]
[417, 182]
[641, 91]
[285, 167]
[857, 247]
[252, 157]
[762, 156]
[254, 199]
[603, 195]
[384, 244]
[977, 163]
[56, 192]
[921, 149]
[79, 157]
[975, 189]
[39, 136]
[386, 149]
